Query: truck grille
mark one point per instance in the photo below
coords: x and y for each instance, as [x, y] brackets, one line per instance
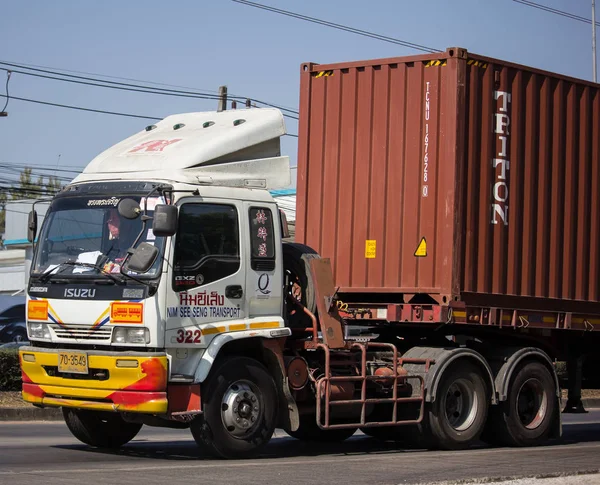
[81, 332]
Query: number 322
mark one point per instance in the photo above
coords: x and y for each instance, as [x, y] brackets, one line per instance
[189, 336]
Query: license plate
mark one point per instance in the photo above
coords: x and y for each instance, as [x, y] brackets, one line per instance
[73, 362]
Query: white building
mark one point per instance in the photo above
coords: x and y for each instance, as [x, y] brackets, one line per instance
[286, 200]
[15, 259]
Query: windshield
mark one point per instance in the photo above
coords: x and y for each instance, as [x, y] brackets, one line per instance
[89, 231]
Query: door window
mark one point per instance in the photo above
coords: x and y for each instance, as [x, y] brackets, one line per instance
[262, 239]
[207, 245]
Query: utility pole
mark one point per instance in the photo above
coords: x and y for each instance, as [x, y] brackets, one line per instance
[4, 113]
[594, 39]
[222, 98]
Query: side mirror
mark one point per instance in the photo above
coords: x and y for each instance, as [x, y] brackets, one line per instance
[165, 220]
[32, 226]
[129, 209]
[142, 258]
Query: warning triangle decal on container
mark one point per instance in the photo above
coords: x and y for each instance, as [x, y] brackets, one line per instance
[421, 251]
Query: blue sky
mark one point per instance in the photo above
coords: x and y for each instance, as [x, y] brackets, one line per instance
[202, 44]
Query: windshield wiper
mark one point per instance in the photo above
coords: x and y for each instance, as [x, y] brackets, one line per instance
[97, 267]
[46, 275]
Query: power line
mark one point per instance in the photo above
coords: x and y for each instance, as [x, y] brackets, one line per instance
[18, 166]
[97, 110]
[86, 83]
[555, 11]
[123, 88]
[194, 90]
[17, 171]
[16, 184]
[65, 168]
[14, 211]
[27, 65]
[333, 25]
[21, 192]
[132, 87]
[14, 175]
[31, 187]
[40, 167]
[153, 118]
[36, 176]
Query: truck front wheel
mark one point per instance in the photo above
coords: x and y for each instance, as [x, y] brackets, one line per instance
[100, 429]
[240, 409]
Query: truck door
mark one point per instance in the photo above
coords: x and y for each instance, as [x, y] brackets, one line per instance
[208, 272]
[264, 279]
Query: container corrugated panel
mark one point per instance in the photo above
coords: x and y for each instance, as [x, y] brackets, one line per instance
[456, 175]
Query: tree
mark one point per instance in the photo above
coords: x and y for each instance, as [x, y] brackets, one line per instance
[26, 189]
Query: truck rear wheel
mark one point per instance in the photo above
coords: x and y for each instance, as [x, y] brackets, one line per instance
[525, 418]
[300, 287]
[240, 409]
[101, 429]
[310, 431]
[458, 415]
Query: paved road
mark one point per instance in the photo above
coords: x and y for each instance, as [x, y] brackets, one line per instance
[46, 453]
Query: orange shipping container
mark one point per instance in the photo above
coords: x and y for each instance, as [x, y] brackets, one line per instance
[455, 175]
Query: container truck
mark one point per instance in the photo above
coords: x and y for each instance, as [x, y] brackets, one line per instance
[447, 255]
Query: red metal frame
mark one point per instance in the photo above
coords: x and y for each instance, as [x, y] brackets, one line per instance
[459, 313]
[327, 380]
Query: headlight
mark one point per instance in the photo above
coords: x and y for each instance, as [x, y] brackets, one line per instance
[124, 335]
[39, 331]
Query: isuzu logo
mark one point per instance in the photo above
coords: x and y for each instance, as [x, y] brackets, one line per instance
[80, 292]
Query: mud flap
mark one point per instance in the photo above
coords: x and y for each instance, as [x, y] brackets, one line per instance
[289, 417]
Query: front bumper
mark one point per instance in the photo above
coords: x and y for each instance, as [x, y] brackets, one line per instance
[140, 389]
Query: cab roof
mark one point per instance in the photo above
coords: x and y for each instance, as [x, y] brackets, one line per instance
[192, 140]
[236, 148]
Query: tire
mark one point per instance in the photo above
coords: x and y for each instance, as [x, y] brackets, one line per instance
[19, 336]
[100, 429]
[457, 417]
[526, 417]
[299, 284]
[310, 431]
[240, 409]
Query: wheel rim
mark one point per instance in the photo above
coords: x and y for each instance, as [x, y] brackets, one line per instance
[294, 286]
[461, 405]
[241, 409]
[532, 403]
